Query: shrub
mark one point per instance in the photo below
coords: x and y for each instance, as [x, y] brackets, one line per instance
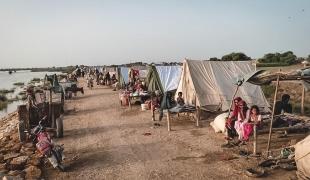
[6, 91]
[272, 64]
[19, 84]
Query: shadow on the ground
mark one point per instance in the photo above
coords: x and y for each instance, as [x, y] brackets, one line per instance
[77, 133]
[93, 95]
[120, 155]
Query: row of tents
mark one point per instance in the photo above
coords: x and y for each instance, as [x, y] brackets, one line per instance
[207, 84]
[211, 85]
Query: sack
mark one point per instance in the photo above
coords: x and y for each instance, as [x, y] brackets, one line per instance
[219, 123]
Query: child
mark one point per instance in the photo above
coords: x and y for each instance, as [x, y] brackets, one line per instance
[180, 100]
[255, 118]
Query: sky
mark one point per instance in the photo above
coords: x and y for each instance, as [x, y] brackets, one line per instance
[45, 33]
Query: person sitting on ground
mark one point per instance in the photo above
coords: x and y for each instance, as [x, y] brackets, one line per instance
[243, 117]
[137, 86]
[230, 122]
[283, 105]
[180, 100]
[255, 118]
[113, 78]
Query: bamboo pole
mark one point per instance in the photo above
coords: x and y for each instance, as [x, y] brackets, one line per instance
[198, 116]
[255, 140]
[232, 100]
[152, 109]
[272, 116]
[229, 110]
[303, 98]
[129, 102]
[50, 105]
[168, 120]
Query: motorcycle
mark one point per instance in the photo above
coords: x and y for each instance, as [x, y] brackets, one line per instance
[46, 147]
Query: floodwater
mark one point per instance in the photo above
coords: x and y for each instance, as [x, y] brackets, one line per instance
[7, 80]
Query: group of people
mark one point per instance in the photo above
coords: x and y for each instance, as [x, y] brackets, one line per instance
[241, 120]
[100, 77]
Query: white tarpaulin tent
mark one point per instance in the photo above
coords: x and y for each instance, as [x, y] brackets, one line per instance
[211, 84]
[169, 76]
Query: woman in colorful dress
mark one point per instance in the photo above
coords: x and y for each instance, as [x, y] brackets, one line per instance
[255, 118]
[243, 117]
[230, 122]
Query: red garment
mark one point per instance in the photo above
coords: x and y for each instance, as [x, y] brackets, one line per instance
[233, 114]
[135, 73]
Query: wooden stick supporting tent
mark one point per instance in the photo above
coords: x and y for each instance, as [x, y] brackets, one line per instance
[255, 139]
[50, 105]
[231, 103]
[232, 100]
[272, 116]
[168, 120]
[303, 100]
[152, 109]
[197, 116]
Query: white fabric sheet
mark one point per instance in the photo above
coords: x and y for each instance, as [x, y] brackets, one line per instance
[124, 73]
[212, 83]
[169, 76]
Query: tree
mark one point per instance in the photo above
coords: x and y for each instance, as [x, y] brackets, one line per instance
[277, 58]
[239, 56]
[214, 59]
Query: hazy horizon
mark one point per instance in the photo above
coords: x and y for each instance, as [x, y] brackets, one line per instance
[60, 33]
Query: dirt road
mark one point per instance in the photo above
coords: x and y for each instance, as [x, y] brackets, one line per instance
[105, 141]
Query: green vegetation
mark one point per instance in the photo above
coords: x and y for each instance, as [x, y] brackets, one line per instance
[308, 58]
[287, 58]
[234, 56]
[18, 84]
[36, 80]
[239, 56]
[3, 97]
[272, 64]
[6, 91]
[3, 102]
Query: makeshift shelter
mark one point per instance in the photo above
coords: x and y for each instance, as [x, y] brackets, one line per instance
[163, 78]
[124, 73]
[263, 77]
[211, 84]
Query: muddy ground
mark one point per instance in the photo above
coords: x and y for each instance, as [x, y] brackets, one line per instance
[106, 141]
